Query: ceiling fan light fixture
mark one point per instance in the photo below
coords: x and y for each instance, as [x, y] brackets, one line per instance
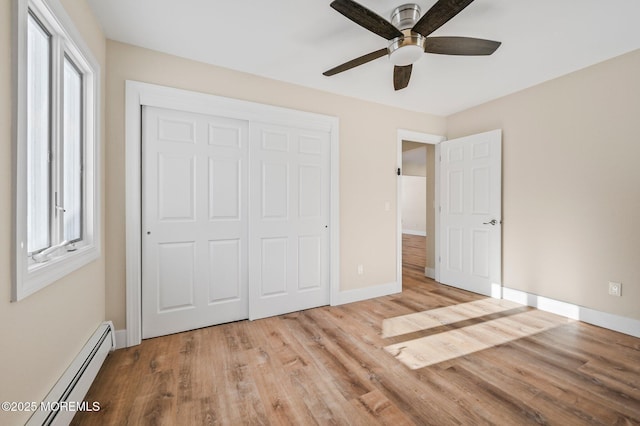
[406, 55]
[408, 49]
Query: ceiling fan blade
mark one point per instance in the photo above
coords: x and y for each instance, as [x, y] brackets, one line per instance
[366, 18]
[438, 15]
[401, 76]
[358, 61]
[466, 46]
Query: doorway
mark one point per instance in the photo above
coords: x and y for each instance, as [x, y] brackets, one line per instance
[417, 218]
[417, 198]
[468, 218]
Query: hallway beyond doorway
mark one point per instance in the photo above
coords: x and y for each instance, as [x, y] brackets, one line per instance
[414, 252]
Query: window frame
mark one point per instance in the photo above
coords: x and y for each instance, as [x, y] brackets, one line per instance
[62, 153]
[31, 274]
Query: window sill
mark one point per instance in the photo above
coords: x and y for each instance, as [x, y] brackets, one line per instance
[40, 275]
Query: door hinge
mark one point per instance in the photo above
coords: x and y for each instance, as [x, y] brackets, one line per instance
[399, 171]
[439, 259]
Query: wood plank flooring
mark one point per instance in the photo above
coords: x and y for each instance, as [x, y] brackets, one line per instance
[329, 366]
[414, 252]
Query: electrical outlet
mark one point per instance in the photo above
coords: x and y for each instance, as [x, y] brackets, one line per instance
[615, 289]
[360, 269]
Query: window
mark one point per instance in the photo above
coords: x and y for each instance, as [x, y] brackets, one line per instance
[38, 135]
[56, 145]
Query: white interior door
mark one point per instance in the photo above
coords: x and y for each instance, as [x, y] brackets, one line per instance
[470, 218]
[194, 221]
[289, 219]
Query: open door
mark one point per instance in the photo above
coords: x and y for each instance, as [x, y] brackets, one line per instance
[470, 217]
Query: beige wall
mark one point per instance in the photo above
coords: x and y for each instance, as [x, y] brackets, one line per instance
[41, 334]
[571, 174]
[368, 134]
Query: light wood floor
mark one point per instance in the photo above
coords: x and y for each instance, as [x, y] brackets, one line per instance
[505, 365]
[414, 253]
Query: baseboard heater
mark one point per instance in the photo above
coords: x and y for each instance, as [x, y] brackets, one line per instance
[66, 397]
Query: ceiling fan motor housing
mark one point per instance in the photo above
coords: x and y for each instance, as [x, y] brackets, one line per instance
[405, 17]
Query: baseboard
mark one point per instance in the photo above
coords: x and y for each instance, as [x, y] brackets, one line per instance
[613, 322]
[430, 273]
[359, 294]
[412, 232]
[121, 338]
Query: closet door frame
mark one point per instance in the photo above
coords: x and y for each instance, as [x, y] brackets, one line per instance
[139, 94]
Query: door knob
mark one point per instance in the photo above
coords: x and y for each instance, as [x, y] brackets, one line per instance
[492, 222]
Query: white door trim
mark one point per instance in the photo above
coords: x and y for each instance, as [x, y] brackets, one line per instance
[138, 94]
[409, 135]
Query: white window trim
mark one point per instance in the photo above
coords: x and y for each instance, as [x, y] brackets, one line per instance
[29, 277]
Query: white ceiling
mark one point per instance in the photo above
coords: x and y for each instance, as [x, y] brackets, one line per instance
[296, 40]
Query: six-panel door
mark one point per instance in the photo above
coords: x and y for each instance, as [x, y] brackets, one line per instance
[223, 240]
[470, 217]
[194, 221]
[289, 219]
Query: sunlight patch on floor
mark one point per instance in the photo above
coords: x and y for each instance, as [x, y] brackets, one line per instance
[438, 317]
[452, 344]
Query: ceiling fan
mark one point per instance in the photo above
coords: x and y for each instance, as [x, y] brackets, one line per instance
[408, 34]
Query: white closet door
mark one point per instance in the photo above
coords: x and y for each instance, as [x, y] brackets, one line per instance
[289, 218]
[195, 179]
